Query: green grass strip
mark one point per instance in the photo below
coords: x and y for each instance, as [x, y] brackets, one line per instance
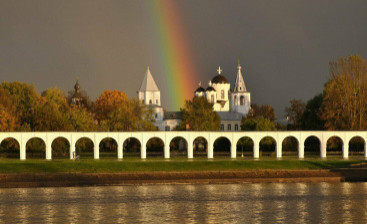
[158, 164]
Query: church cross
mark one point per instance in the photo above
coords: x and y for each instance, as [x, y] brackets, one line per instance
[219, 70]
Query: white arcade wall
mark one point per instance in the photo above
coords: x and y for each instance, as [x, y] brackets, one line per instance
[143, 137]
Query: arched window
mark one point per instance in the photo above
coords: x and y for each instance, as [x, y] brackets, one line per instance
[236, 127]
[222, 94]
[150, 101]
[242, 100]
[156, 102]
[235, 100]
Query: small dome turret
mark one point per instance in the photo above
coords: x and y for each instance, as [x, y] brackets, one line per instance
[77, 86]
[210, 87]
[199, 89]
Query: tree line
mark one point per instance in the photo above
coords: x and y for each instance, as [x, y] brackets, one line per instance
[341, 106]
[23, 109]
[343, 103]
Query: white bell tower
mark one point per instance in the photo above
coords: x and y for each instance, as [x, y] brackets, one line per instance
[150, 95]
[240, 98]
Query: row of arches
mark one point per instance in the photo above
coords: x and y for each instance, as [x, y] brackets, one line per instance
[178, 147]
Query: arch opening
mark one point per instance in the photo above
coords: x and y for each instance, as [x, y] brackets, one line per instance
[60, 148]
[290, 147]
[108, 148]
[155, 147]
[267, 146]
[200, 147]
[131, 147]
[245, 147]
[312, 146]
[9, 148]
[242, 100]
[36, 148]
[178, 147]
[84, 147]
[222, 147]
[334, 146]
[356, 146]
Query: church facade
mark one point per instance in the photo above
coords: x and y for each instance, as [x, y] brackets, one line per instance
[230, 104]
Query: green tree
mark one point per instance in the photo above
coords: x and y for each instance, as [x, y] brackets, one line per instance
[257, 124]
[51, 112]
[294, 113]
[198, 115]
[345, 95]
[82, 120]
[26, 100]
[311, 119]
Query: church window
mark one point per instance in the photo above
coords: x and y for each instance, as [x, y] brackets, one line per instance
[240, 88]
[236, 127]
[222, 94]
[150, 101]
[242, 100]
[235, 100]
[229, 127]
[212, 98]
[222, 127]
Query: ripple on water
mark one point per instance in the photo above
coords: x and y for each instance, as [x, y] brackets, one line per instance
[228, 203]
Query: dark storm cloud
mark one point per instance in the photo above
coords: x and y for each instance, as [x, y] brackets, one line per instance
[284, 46]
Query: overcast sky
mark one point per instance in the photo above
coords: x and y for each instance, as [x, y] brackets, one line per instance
[284, 46]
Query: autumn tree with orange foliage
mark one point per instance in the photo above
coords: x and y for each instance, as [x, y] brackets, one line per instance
[108, 102]
[115, 112]
[265, 111]
[131, 115]
[8, 115]
[344, 105]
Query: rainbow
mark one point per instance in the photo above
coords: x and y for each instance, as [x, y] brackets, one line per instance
[174, 49]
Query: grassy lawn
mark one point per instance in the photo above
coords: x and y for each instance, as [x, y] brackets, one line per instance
[175, 164]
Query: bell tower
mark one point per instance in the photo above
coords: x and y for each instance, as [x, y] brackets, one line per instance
[150, 95]
[240, 98]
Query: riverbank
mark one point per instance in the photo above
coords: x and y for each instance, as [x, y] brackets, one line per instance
[17, 180]
[133, 171]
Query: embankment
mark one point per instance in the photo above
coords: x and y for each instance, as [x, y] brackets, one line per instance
[17, 180]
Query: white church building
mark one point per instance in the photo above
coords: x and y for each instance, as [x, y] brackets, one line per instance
[230, 104]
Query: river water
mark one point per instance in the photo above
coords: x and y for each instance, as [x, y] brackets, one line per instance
[217, 203]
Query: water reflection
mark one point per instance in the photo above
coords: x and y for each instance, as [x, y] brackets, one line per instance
[230, 203]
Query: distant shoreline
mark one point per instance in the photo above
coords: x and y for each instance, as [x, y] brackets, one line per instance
[28, 180]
